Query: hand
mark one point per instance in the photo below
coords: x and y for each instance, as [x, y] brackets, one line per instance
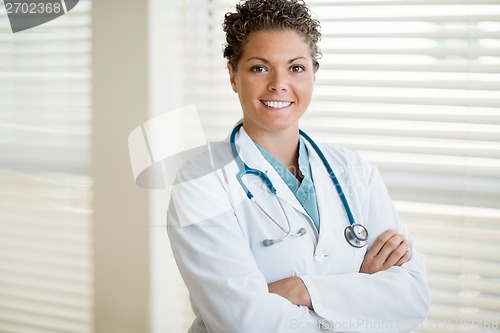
[389, 249]
[293, 289]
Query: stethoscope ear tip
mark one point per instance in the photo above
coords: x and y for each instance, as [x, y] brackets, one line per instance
[268, 242]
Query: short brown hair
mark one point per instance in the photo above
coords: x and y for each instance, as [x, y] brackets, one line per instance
[258, 15]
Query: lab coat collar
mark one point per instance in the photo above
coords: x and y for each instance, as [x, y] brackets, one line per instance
[250, 154]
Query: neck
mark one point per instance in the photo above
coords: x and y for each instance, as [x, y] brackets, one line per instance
[283, 145]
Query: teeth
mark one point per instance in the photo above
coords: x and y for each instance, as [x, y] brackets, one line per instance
[276, 104]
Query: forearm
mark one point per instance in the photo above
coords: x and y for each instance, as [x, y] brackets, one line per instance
[389, 249]
[398, 296]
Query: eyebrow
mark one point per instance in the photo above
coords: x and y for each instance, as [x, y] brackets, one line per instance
[267, 61]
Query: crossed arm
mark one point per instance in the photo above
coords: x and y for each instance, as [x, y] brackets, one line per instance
[389, 249]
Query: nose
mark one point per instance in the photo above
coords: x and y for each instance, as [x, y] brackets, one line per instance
[277, 81]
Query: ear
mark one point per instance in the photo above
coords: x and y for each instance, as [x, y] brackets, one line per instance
[232, 76]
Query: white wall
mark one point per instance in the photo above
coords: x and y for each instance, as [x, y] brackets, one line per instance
[121, 209]
[170, 309]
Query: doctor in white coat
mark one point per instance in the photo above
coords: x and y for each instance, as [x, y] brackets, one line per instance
[255, 261]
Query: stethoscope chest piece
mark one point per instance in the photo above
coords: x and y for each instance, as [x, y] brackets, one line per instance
[356, 235]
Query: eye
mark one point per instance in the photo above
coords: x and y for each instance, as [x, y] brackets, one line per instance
[297, 69]
[258, 69]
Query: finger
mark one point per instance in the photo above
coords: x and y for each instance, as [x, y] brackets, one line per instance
[389, 254]
[379, 243]
[404, 259]
[390, 246]
[396, 255]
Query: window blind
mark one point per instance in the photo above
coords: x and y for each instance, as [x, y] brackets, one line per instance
[45, 187]
[414, 87]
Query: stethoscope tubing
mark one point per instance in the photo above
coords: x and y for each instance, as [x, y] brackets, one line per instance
[332, 175]
[353, 237]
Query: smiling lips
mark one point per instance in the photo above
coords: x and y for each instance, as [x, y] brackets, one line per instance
[276, 104]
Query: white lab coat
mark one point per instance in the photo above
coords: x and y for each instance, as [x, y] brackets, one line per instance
[216, 234]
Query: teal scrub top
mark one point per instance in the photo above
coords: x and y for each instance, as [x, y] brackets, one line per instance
[303, 191]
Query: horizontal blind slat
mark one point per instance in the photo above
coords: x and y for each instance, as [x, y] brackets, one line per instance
[45, 250]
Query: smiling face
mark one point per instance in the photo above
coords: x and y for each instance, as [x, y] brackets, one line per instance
[274, 80]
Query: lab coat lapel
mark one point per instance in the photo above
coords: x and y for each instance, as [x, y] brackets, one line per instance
[331, 212]
[254, 159]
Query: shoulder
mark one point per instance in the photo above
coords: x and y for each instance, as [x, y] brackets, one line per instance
[214, 157]
[343, 156]
[349, 165]
[199, 192]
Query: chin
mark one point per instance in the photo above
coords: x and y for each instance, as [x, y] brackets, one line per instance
[280, 126]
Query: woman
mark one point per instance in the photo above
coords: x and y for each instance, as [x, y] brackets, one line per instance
[258, 262]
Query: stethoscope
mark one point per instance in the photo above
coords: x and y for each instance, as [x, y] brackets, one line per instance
[355, 234]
